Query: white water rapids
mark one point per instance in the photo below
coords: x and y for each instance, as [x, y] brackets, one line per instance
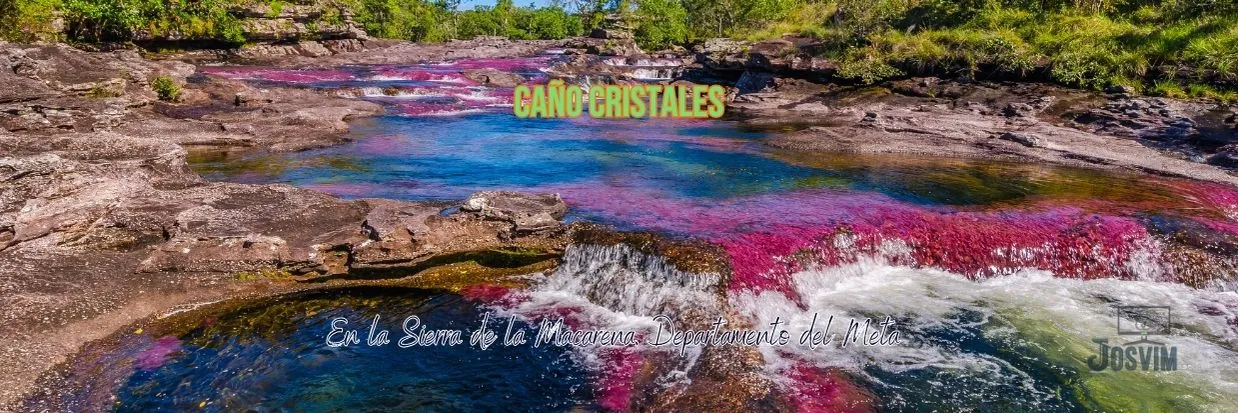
[962, 342]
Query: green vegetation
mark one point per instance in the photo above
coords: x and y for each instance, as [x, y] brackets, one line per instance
[265, 274]
[1140, 44]
[1143, 45]
[1167, 47]
[221, 20]
[166, 88]
[439, 20]
[101, 91]
[111, 20]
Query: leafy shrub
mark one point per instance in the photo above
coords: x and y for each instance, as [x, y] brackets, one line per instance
[867, 70]
[29, 20]
[662, 23]
[550, 23]
[166, 88]
[122, 20]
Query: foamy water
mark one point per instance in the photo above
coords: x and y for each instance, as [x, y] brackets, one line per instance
[962, 341]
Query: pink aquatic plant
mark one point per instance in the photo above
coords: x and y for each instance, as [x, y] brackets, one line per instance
[615, 385]
[159, 352]
[827, 390]
[770, 236]
[488, 294]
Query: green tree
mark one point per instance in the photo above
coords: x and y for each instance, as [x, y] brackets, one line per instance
[661, 23]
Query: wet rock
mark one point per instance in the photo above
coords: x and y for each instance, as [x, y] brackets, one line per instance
[338, 46]
[1226, 156]
[1025, 139]
[302, 49]
[753, 82]
[692, 256]
[759, 101]
[494, 77]
[1148, 118]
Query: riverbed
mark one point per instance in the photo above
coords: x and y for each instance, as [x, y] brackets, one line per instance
[998, 275]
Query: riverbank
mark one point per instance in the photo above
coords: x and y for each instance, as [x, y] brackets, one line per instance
[103, 223]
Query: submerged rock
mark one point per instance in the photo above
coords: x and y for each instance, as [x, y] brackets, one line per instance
[494, 77]
[1227, 157]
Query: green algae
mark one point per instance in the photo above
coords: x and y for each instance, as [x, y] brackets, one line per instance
[501, 260]
[1043, 345]
[265, 274]
[983, 182]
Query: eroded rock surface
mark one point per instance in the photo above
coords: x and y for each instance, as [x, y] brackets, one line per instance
[93, 224]
[1015, 122]
[102, 222]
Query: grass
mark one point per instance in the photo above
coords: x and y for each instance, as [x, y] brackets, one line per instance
[102, 91]
[1167, 89]
[1142, 49]
[803, 21]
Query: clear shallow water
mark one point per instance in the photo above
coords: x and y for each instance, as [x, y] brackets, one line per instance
[447, 158]
[716, 180]
[1000, 274]
[272, 357]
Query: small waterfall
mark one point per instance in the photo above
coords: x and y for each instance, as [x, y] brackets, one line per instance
[645, 69]
[620, 278]
[651, 73]
[617, 287]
